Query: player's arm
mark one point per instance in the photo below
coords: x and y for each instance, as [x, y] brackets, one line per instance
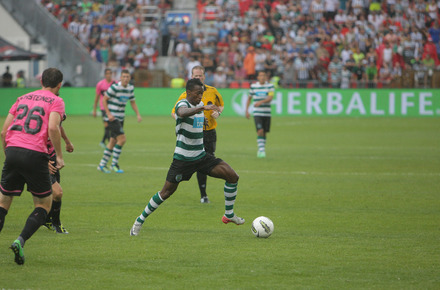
[136, 110]
[173, 111]
[55, 136]
[185, 111]
[105, 105]
[69, 145]
[248, 103]
[95, 104]
[8, 121]
[220, 104]
[266, 100]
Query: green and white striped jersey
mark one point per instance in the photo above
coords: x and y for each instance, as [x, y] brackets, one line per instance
[260, 92]
[119, 96]
[189, 131]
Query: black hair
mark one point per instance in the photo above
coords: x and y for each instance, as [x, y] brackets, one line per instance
[125, 71]
[192, 83]
[51, 78]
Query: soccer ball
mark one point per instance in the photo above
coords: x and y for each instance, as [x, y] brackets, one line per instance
[262, 227]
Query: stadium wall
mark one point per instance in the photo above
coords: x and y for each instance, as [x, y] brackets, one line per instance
[286, 102]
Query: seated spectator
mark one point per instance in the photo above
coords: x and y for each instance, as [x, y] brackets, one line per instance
[371, 74]
[220, 78]
[335, 69]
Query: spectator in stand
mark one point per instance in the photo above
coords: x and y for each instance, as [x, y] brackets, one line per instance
[385, 73]
[335, 68]
[358, 56]
[220, 78]
[192, 62]
[371, 74]
[249, 63]
[345, 77]
[429, 64]
[396, 72]
[260, 58]
[302, 70]
[182, 49]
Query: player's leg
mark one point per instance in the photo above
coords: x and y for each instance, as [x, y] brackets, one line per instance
[12, 183]
[33, 223]
[224, 171]
[55, 212]
[261, 136]
[107, 155]
[5, 204]
[156, 200]
[209, 142]
[106, 136]
[117, 150]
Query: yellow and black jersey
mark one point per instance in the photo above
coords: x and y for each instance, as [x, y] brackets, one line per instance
[210, 97]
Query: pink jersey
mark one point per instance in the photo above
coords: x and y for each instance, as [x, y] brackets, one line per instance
[101, 88]
[30, 127]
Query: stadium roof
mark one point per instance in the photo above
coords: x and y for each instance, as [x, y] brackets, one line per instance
[10, 52]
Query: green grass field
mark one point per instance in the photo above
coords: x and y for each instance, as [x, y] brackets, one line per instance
[355, 203]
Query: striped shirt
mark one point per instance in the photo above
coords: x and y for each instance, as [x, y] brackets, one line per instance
[189, 132]
[118, 98]
[260, 92]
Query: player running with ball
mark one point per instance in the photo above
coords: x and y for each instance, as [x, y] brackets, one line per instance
[190, 156]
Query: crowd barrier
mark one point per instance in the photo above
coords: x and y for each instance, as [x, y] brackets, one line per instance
[286, 102]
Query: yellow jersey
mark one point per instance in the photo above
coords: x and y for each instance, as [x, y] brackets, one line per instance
[210, 97]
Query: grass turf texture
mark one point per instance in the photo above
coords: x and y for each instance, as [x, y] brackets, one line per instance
[355, 203]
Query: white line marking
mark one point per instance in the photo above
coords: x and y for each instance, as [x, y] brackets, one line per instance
[149, 168]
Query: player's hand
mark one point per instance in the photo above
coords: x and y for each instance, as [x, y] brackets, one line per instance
[60, 162]
[139, 118]
[69, 147]
[52, 169]
[94, 114]
[210, 107]
[111, 118]
[215, 114]
[257, 104]
[247, 114]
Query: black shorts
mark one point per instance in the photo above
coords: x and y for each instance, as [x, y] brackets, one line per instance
[209, 141]
[262, 123]
[55, 177]
[25, 166]
[183, 170]
[103, 115]
[116, 128]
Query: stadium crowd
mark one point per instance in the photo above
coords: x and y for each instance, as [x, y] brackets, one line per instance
[300, 43]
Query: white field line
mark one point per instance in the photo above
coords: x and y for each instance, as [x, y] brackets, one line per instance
[150, 168]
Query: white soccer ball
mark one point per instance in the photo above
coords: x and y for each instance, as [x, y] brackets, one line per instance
[262, 227]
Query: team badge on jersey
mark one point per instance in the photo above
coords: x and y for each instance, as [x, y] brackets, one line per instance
[198, 122]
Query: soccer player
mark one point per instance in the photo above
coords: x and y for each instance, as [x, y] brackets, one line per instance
[190, 156]
[101, 88]
[33, 119]
[53, 221]
[261, 93]
[114, 101]
[210, 96]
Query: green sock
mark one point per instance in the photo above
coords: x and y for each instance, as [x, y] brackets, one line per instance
[154, 203]
[230, 190]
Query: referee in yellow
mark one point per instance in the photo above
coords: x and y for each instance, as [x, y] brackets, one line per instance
[210, 97]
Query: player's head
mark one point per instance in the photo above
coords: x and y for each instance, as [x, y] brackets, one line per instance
[52, 78]
[108, 74]
[125, 77]
[262, 77]
[194, 91]
[198, 72]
